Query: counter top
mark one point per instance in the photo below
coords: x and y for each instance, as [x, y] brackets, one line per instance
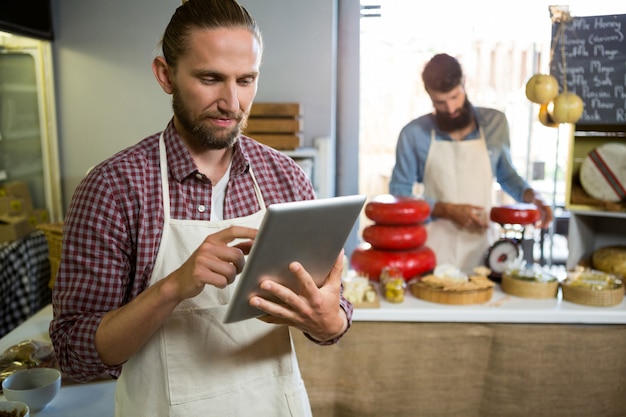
[93, 399]
[502, 308]
[96, 399]
[35, 327]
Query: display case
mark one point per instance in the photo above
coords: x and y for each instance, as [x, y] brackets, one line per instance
[583, 141]
[594, 223]
[28, 135]
[591, 230]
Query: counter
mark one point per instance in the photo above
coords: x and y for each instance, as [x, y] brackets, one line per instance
[508, 357]
[502, 308]
[94, 399]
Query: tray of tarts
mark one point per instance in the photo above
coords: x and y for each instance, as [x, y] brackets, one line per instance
[593, 288]
[529, 283]
[447, 285]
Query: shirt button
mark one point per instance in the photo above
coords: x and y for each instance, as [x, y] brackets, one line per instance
[199, 176]
[201, 208]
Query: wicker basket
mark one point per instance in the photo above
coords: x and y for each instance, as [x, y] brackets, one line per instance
[529, 289]
[424, 292]
[54, 236]
[590, 297]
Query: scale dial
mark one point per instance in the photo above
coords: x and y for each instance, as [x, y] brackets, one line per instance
[501, 254]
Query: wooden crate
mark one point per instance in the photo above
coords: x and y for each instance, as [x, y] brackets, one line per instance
[278, 125]
[54, 236]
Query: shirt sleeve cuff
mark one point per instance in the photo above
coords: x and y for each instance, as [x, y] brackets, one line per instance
[347, 307]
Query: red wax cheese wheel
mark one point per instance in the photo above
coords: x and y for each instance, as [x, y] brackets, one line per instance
[389, 209]
[400, 237]
[369, 262]
[520, 213]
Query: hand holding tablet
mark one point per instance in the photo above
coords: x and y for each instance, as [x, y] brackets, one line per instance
[312, 232]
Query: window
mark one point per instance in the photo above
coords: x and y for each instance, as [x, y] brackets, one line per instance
[499, 44]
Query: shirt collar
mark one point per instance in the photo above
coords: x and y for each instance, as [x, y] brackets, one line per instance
[181, 164]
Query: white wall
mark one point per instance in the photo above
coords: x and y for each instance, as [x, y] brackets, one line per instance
[107, 98]
[299, 58]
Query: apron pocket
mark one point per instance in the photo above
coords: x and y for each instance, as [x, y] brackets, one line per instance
[206, 358]
[298, 401]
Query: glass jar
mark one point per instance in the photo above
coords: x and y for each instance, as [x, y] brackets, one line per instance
[392, 284]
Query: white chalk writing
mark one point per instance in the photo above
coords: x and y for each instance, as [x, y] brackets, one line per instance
[594, 59]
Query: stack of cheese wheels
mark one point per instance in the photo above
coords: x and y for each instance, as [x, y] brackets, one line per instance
[396, 239]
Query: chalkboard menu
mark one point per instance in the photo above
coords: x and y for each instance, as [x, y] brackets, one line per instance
[595, 52]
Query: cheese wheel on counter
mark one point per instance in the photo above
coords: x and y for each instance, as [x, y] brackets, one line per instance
[610, 259]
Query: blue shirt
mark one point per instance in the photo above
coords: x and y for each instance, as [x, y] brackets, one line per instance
[414, 144]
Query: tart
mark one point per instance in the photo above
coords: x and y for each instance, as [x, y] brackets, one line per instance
[529, 283]
[593, 288]
[447, 287]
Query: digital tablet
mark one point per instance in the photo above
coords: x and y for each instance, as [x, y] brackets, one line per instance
[312, 232]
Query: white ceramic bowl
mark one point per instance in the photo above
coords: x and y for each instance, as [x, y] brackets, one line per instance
[35, 387]
[13, 406]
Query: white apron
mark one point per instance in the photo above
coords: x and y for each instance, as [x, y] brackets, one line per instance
[195, 365]
[458, 172]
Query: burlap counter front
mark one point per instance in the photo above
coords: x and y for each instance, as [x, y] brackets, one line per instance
[386, 369]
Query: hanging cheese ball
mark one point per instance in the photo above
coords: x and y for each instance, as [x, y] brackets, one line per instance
[545, 115]
[568, 108]
[542, 88]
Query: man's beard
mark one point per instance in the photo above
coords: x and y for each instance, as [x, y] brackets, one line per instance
[448, 124]
[204, 135]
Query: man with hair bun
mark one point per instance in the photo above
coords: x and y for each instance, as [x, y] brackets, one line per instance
[151, 248]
